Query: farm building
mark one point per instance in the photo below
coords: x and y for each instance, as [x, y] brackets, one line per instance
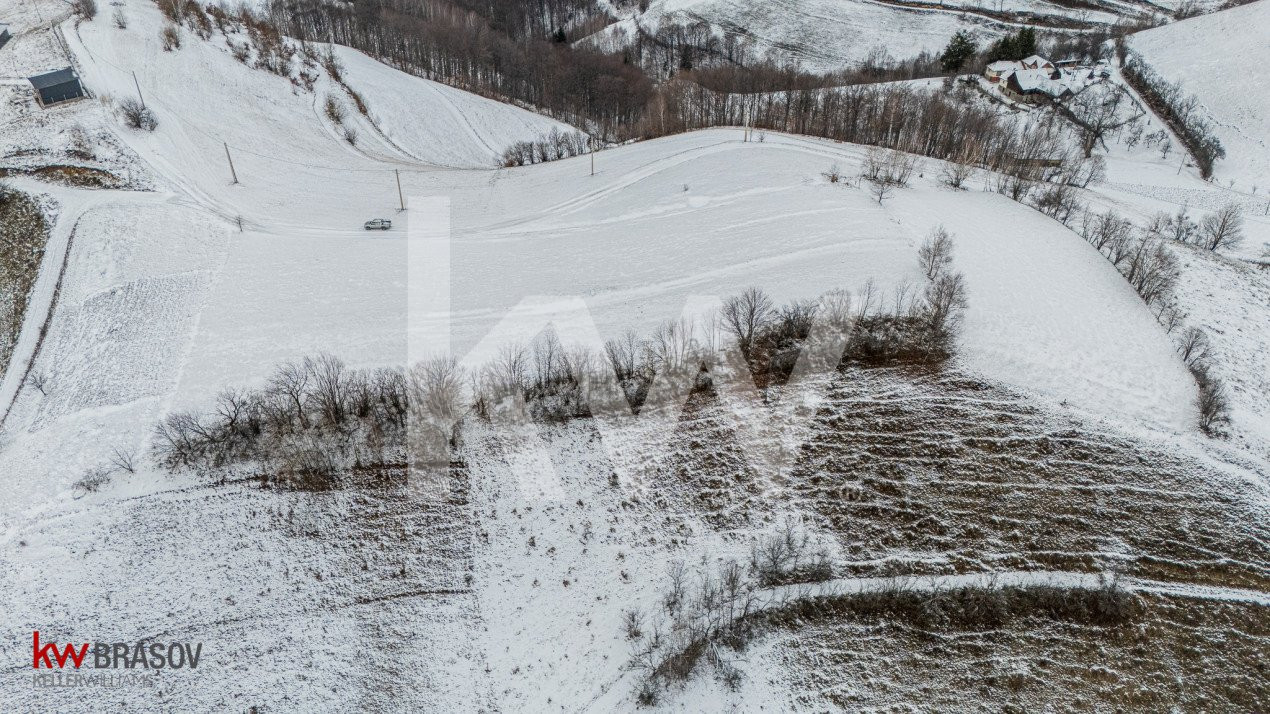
[1036, 62]
[995, 71]
[58, 86]
[1034, 85]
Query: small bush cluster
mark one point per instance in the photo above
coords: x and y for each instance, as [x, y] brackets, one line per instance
[171, 37]
[316, 418]
[24, 231]
[789, 555]
[136, 115]
[334, 109]
[553, 146]
[699, 613]
[886, 169]
[716, 620]
[966, 608]
[1223, 228]
[86, 9]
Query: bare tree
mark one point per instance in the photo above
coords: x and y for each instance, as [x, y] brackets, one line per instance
[1223, 228]
[291, 382]
[1212, 402]
[1098, 110]
[945, 301]
[935, 255]
[881, 190]
[744, 314]
[38, 380]
[123, 459]
[330, 387]
[956, 172]
[1193, 346]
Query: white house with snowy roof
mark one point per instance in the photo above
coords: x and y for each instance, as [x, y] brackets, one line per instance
[1035, 79]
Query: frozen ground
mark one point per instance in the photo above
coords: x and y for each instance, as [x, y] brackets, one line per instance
[169, 296]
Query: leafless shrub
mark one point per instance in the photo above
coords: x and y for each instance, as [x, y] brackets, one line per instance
[956, 172]
[171, 37]
[1212, 402]
[935, 255]
[39, 381]
[123, 459]
[632, 623]
[881, 190]
[1102, 230]
[676, 589]
[1150, 269]
[834, 174]
[1057, 200]
[335, 110]
[349, 134]
[241, 51]
[945, 301]
[789, 555]
[136, 115]
[119, 18]
[93, 480]
[334, 68]
[86, 9]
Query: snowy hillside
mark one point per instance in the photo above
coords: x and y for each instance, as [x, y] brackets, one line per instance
[828, 35]
[1214, 57]
[1057, 447]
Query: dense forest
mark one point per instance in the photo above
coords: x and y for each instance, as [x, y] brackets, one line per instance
[655, 83]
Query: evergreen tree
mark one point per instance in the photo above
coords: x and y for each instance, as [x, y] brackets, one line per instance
[961, 48]
[1025, 43]
[1014, 47]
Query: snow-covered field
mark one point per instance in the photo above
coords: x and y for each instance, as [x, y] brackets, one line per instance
[1214, 57]
[828, 35]
[512, 597]
[436, 124]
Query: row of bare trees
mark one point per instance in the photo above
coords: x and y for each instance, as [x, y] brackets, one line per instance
[316, 418]
[552, 146]
[1141, 255]
[1178, 109]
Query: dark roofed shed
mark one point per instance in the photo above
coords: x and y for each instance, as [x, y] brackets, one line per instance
[58, 86]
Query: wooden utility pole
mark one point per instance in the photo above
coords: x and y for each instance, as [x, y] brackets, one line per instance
[138, 85]
[230, 159]
[400, 196]
[592, 152]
